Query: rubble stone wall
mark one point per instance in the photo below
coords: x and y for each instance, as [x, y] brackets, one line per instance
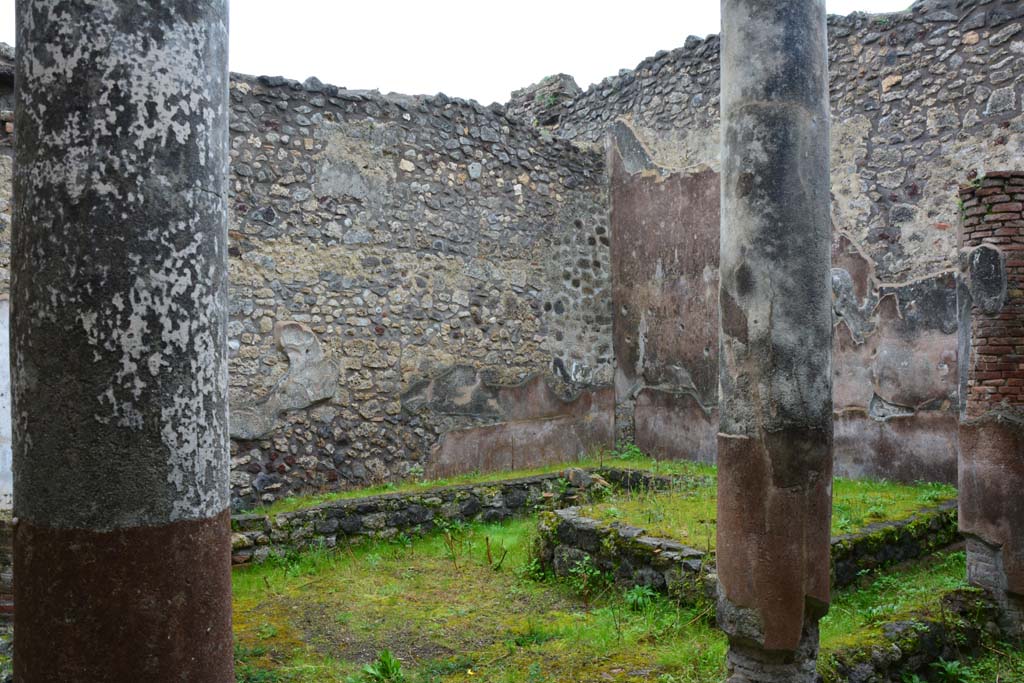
[425, 285]
[920, 100]
[418, 285]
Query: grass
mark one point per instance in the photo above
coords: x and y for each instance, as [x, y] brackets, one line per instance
[448, 614]
[687, 512]
[857, 613]
[323, 616]
[1002, 663]
[449, 611]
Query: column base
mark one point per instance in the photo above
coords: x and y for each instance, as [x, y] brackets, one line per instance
[749, 663]
[146, 604]
[985, 570]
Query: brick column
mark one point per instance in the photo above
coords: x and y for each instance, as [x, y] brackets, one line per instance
[991, 466]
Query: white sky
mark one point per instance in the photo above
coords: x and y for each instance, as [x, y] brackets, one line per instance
[478, 49]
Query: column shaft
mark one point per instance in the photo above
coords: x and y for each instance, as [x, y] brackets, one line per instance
[119, 369]
[775, 435]
[991, 463]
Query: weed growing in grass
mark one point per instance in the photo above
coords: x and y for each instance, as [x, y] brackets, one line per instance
[950, 672]
[1003, 663]
[640, 598]
[387, 669]
[629, 451]
[533, 570]
[586, 580]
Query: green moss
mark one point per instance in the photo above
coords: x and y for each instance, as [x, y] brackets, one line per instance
[857, 613]
[294, 503]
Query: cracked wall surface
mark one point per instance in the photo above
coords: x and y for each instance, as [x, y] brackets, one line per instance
[919, 99]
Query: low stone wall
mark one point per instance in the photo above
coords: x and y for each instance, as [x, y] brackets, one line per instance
[567, 539]
[687, 574]
[888, 543]
[911, 645]
[256, 537]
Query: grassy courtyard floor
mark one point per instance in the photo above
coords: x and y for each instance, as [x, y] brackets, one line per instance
[448, 613]
[470, 604]
[687, 511]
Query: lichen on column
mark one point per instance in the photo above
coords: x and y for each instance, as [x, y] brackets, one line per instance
[119, 299]
[775, 434]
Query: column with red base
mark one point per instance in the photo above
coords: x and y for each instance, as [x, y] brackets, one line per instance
[119, 298]
[991, 466]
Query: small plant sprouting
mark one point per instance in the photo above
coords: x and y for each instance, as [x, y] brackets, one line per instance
[586, 579]
[387, 669]
[533, 570]
[950, 671]
[629, 451]
[639, 598]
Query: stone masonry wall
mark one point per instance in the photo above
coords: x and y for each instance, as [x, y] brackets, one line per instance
[421, 285]
[418, 285]
[920, 99]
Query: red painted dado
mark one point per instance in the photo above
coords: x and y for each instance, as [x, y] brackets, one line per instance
[994, 217]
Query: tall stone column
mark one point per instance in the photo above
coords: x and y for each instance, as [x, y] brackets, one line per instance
[119, 291]
[991, 464]
[775, 434]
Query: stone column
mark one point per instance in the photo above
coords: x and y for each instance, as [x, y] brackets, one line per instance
[119, 291]
[775, 434]
[991, 464]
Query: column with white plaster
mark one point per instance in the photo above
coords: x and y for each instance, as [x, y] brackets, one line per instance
[119, 293]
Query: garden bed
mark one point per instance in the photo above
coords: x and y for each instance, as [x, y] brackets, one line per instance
[890, 524]
[568, 539]
[685, 508]
[299, 524]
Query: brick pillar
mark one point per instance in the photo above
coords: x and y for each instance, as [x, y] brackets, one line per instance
[991, 466]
